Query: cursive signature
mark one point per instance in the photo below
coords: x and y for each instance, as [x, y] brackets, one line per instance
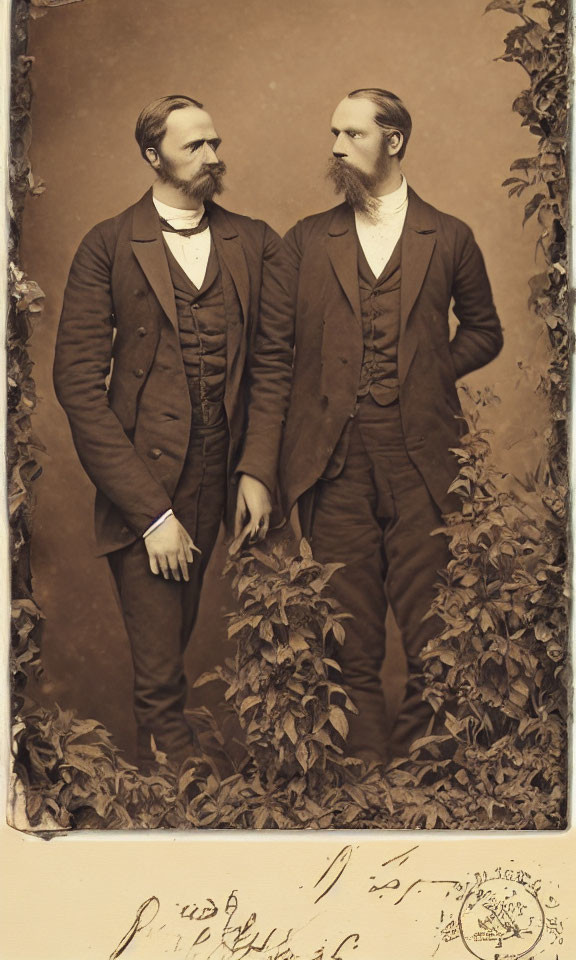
[502, 915]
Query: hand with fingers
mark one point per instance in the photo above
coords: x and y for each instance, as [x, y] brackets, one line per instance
[253, 508]
[170, 549]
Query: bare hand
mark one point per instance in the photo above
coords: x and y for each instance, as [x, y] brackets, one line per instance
[170, 549]
[253, 508]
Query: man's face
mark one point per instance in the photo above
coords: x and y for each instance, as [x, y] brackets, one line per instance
[187, 156]
[360, 159]
[359, 139]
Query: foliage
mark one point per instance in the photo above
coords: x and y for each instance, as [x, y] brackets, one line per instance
[73, 776]
[281, 680]
[496, 672]
[25, 305]
[541, 47]
[499, 764]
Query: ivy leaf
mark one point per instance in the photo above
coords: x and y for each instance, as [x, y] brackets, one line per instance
[305, 549]
[332, 664]
[290, 727]
[248, 703]
[339, 633]
[338, 720]
[242, 622]
[302, 756]
[524, 163]
[508, 6]
[297, 642]
[532, 206]
[207, 677]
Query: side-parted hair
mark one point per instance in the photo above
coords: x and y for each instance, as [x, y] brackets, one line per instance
[151, 124]
[391, 115]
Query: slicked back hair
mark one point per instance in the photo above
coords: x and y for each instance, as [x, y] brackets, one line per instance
[391, 113]
[151, 124]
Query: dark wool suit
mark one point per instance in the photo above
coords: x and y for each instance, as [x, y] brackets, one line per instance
[371, 420]
[196, 395]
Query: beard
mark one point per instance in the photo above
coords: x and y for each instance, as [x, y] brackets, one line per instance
[204, 185]
[356, 185]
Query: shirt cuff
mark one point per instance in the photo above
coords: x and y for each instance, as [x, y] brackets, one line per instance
[158, 522]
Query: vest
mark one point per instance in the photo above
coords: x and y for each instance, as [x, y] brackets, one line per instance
[380, 306]
[380, 309]
[202, 329]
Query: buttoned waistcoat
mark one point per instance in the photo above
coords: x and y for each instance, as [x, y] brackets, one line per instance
[119, 301]
[441, 265]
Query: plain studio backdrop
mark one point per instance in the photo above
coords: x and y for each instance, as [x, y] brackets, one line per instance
[270, 73]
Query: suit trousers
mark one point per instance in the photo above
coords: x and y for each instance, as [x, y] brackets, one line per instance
[160, 614]
[376, 516]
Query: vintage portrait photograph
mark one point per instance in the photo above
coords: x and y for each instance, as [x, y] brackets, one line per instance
[287, 361]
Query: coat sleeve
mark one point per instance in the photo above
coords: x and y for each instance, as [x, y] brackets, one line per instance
[82, 363]
[479, 336]
[269, 366]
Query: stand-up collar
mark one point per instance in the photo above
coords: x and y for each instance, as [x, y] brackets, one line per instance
[146, 222]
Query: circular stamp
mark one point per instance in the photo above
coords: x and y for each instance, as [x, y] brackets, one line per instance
[501, 919]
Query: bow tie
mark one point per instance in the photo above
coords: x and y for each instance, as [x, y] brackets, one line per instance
[200, 227]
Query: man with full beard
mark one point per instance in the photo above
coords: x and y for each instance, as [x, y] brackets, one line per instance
[173, 302]
[374, 410]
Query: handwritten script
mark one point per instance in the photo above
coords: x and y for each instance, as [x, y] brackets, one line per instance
[340, 912]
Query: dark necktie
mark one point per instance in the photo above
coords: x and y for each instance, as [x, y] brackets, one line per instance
[189, 231]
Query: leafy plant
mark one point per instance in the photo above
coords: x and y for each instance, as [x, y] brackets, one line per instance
[495, 674]
[24, 308]
[282, 678]
[540, 45]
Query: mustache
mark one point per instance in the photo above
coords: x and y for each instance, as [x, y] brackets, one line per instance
[343, 173]
[214, 170]
[203, 185]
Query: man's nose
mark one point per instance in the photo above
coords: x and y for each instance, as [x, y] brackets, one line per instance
[339, 148]
[209, 154]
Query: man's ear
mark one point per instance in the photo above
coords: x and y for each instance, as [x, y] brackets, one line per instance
[395, 141]
[152, 157]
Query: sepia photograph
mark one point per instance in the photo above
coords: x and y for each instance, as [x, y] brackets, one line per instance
[287, 438]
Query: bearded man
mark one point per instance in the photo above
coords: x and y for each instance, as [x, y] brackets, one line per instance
[374, 410]
[171, 369]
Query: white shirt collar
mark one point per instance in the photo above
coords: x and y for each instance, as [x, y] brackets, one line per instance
[387, 211]
[394, 202]
[177, 217]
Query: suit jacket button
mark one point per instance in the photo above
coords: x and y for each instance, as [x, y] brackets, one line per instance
[154, 453]
[141, 331]
[139, 373]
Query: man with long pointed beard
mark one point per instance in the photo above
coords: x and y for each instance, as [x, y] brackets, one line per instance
[180, 294]
[374, 410]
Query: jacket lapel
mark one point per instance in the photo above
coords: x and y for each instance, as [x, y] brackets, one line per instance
[148, 247]
[230, 253]
[343, 252]
[417, 245]
[235, 276]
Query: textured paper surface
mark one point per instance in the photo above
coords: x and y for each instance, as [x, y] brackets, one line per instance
[369, 896]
